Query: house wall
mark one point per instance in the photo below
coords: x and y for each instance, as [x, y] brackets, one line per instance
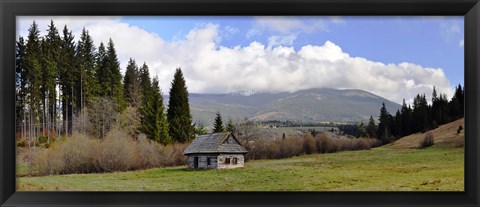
[202, 161]
[216, 161]
[222, 161]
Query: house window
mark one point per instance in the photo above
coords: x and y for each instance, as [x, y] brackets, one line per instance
[208, 160]
[227, 160]
[234, 160]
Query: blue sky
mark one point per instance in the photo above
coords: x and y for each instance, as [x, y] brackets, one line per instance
[428, 41]
[401, 55]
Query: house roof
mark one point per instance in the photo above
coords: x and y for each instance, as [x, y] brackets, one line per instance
[214, 143]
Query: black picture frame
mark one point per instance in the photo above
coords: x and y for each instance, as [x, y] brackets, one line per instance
[9, 9]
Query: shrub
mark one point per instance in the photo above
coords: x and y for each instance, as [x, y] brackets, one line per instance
[298, 145]
[79, 152]
[115, 152]
[427, 141]
[42, 139]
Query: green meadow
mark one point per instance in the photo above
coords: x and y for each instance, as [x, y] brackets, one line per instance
[437, 168]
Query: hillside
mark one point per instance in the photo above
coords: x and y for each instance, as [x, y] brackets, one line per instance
[443, 135]
[312, 105]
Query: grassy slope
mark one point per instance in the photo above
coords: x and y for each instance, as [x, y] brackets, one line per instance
[390, 168]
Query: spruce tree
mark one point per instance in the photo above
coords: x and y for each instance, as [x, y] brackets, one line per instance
[161, 123]
[398, 124]
[371, 128]
[361, 130]
[50, 61]
[113, 68]
[131, 84]
[178, 113]
[101, 71]
[230, 127]
[20, 85]
[33, 77]
[147, 111]
[218, 125]
[383, 133]
[87, 75]
[67, 79]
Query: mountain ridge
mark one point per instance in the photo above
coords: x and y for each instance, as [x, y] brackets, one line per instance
[310, 105]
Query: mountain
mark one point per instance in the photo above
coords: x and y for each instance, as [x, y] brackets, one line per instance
[312, 105]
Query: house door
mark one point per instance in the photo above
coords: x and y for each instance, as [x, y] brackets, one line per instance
[195, 162]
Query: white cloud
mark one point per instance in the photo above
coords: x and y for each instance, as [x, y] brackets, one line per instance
[277, 40]
[461, 43]
[450, 30]
[287, 25]
[210, 67]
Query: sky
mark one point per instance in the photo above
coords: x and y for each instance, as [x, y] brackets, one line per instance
[393, 57]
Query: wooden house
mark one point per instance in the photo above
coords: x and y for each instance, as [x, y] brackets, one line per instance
[215, 151]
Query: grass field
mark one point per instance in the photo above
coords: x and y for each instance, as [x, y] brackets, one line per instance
[393, 167]
[382, 169]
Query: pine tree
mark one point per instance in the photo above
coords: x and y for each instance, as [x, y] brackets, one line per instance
[178, 113]
[435, 114]
[230, 127]
[371, 128]
[113, 68]
[102, 74]
[407, 119]
[147, 111]
[33, 78]
[131, 84]
[398, 124]
[384, 133]
[67, 78]
[20, 86]
[87, 79]
[218, 125]
[361, 130]
[50, 61]
[161, 123]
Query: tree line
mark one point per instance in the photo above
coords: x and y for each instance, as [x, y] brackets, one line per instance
[420, 117]
[63, 85]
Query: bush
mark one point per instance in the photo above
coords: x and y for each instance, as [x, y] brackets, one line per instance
[299, 145]
[116, 152]
[427, 141]
[42, 139]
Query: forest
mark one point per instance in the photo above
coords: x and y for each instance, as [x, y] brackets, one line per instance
[64, 86]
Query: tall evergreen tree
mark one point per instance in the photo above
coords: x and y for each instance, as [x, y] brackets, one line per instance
[384, 133]
[371, 128]
[116, 87]
[362, 132]
[87, 79]
[230, 127]
[50, 61]
[20, 85]
[33, 78]
[178, 113]
[407, 119]
[161, 122]
[398, 128]
[131, 84]
[67, 78]
[420, 114]
[101, 72]
[147, 111]
[218, 125]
